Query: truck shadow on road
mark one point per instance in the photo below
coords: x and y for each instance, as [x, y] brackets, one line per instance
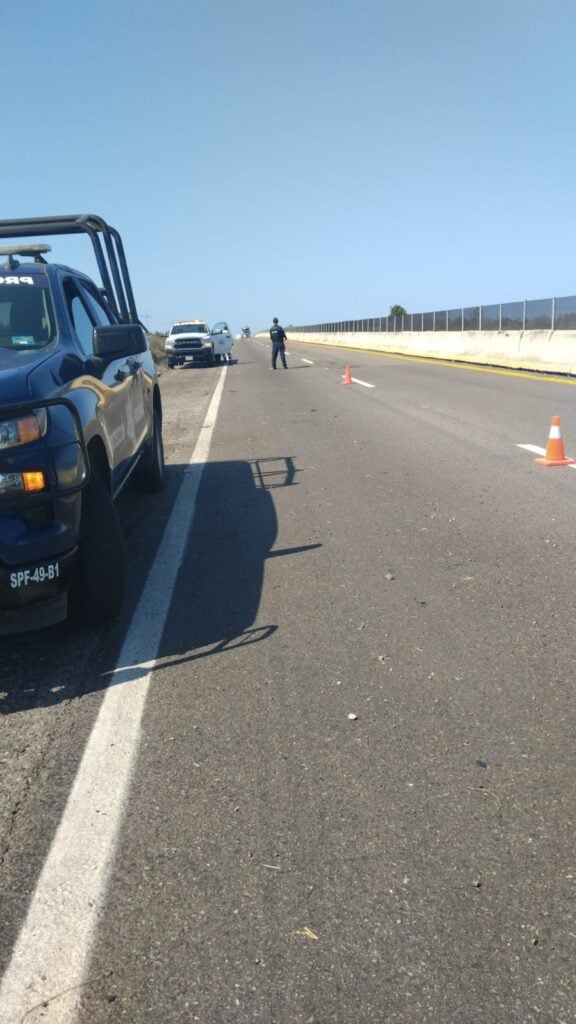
[214, 603]
[217, 595]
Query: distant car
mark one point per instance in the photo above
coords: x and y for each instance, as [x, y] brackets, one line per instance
[189, 341]
[222, 341]
[246, 332]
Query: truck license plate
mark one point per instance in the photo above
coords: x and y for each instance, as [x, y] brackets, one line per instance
[41, 574]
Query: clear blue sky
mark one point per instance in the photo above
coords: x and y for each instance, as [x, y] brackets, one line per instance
[306, 159]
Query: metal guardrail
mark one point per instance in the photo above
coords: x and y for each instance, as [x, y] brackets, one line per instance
[558, 314]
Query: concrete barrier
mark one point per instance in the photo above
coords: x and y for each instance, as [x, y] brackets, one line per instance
[547, 351]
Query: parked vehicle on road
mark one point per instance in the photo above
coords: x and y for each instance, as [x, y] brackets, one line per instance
[80, 415]
[189, 341]
[222, 341]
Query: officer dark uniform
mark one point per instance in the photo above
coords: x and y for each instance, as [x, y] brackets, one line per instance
[278, 337]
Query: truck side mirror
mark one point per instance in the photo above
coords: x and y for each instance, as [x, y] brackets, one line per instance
[111, 341]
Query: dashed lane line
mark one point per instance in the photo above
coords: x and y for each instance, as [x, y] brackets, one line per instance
[51, 953]
[364, 383]
[532, 448]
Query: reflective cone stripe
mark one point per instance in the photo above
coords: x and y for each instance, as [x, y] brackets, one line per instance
[347, 376]
[555, 448]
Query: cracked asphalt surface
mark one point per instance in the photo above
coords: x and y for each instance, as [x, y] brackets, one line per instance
[388, 554]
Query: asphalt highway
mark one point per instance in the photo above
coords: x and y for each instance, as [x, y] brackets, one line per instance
[338, 781]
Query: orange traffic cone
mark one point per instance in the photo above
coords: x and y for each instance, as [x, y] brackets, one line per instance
[347, 376]
[555, 448]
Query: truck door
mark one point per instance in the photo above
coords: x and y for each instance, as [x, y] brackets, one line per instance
[118, 386]
[222, 340]
[141, 409]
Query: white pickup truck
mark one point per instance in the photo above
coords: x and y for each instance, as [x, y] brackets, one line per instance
[192, 341]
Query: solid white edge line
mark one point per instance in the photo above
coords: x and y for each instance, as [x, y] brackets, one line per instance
[51, 953]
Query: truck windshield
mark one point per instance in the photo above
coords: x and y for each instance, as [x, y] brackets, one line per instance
[26, 316]
[189, 329]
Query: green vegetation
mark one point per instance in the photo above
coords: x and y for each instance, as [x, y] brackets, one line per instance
[397, 310]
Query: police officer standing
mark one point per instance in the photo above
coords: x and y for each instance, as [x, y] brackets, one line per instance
[278, 337]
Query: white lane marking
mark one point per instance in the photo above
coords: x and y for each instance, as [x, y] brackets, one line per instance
[307, 361]
[362, 382]
[532, 448]
[51, 953]
[540, 451]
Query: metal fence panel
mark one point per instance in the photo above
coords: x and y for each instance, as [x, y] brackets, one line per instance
[538, 315]
[454, 319]
[490, 318]
[471, 318]
[512, 316]
[565, 313]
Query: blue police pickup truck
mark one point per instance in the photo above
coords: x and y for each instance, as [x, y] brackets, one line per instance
[80, 416]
